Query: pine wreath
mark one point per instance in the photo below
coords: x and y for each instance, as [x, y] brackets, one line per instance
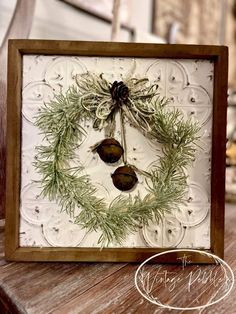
[95, 98]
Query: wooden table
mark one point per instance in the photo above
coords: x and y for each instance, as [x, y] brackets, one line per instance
[66, 288]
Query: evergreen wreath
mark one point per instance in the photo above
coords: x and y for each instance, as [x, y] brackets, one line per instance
[95, 98]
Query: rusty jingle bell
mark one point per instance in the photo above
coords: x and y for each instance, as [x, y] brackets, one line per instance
[110, 150]
[124, 178]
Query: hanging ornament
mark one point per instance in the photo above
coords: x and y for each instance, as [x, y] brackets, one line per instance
[124, 178]
[119, 92]
[110, 150]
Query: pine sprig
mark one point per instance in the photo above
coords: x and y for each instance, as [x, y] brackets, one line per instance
[60, 121]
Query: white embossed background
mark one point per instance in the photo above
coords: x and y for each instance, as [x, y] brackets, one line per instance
[189, 85]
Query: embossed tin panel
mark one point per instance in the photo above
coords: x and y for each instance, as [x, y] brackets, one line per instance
[189, 86]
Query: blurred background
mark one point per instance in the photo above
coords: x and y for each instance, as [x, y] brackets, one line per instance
[211, 22]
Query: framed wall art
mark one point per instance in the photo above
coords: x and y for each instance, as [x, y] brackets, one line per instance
[115, 151]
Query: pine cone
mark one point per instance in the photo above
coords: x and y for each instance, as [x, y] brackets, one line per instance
[119, 92]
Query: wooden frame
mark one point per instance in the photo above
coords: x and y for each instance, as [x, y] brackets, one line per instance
[18, 48]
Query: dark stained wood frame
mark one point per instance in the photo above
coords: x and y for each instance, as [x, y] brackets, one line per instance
[17, 48]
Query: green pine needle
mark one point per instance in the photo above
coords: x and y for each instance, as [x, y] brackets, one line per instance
[60, 121]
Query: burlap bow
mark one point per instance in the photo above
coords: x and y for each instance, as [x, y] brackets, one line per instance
[103, 99]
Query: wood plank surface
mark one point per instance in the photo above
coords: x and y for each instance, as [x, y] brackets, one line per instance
[91, 288]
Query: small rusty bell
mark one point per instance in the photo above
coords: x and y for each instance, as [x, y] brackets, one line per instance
[124, 178]
[110, 150]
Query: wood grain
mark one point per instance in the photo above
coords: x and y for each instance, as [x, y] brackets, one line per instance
[218, 154]
[117, 49]
[13, 147]
[17, 48]
[91, 288]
